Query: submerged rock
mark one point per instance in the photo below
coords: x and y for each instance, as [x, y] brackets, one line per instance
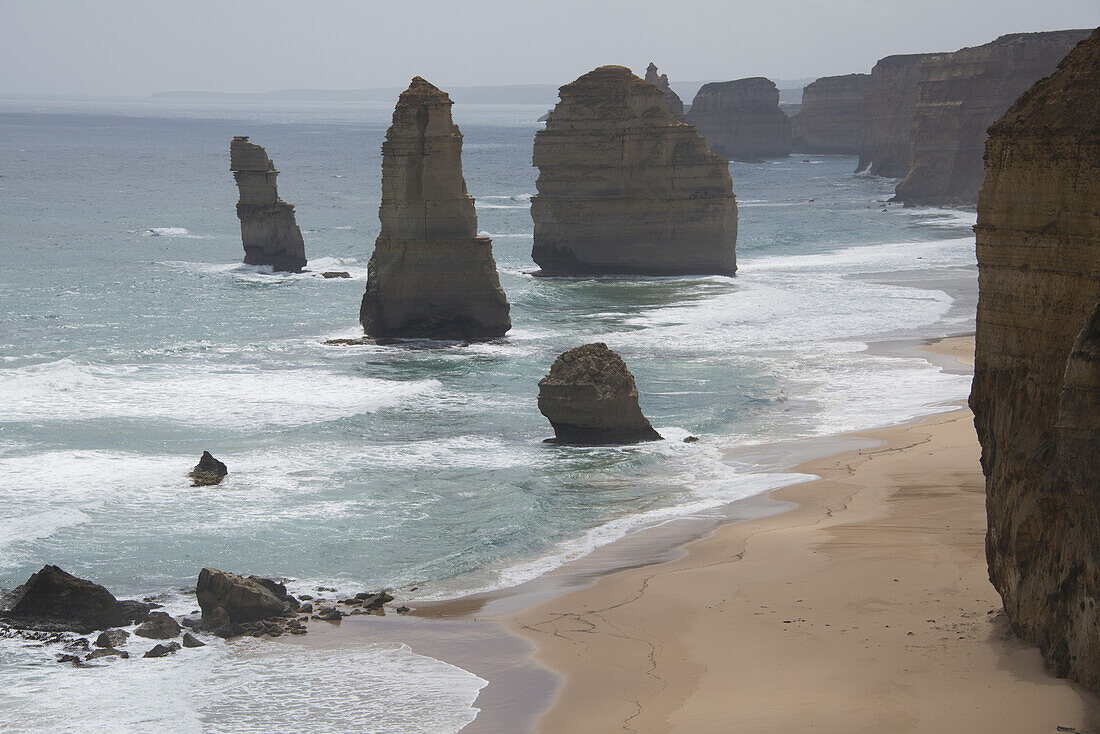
[741, 119]
[431, 276]
[1036, 394]
[112, 638]
[106, 652]
[590, 398]
[54, 600]
[626, 188]
[329, 274]
[209, 471]
[242, 600]
[189, 640]
[160, 651]
[672, 100]
[268, 230]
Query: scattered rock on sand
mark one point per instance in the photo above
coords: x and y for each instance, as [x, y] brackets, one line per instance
[244, 600]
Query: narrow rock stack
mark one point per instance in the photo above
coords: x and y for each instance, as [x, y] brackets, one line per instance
[431, 276]
[1036, 395]
[626, 188]
[672, 100]
[958, 97]
[888, 108]
[831, 116]
[268, 230]
[591, 399]
[742, 120]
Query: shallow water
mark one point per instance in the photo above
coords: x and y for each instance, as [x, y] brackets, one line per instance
[132, 340]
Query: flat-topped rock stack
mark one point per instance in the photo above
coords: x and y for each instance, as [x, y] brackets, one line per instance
[1036, 394]
[268, 230]
[742, 120]
[830, 120]
[675, 104]
[889, 104]
[626, 188]
[431, 276]
[959, 96]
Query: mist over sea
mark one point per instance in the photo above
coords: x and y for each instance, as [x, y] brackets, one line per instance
[131, 339]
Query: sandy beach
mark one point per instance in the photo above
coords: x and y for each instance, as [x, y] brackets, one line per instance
[866, 607]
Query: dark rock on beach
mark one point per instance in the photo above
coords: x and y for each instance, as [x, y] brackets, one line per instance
[242, 599]
[590, 398]
[54, 600]
[208, 471]
[160, 626]
[159, 651]
[106, 652]
[335, 274]
[111, 638]
[189, 640]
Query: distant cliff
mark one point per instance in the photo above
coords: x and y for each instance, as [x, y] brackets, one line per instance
[959, 95]
[887, 115]
[831, 115]
[741, 119]
[1036, 394]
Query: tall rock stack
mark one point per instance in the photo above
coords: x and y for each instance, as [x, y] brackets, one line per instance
[430, 276]
[742, 120]
[268, 230]
[831, 115]
[1036, 395]
[675, 104]
[958, 97]
[888, 107]
[626, 188]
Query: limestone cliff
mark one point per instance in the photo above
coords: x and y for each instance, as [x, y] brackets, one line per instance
[887, 115]
[741, 119]
[590, 398]
[625, 188]
[268, 230]
[430, 276]
[675, 104]
[1036, 395]
[831, 114]
[958, 97]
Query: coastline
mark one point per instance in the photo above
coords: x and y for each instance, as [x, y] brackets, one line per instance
[865, 607]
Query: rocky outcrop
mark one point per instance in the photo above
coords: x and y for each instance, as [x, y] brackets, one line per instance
[590, 398]
[672, 100]
[208, 472]
[626, 188]
[431, 276]
[159, 626]
[55, 600]
[741, 119]
[243, 600]
[958, 97]
[1036, 395]
[831, 116]
[888, 107]
[268, 230]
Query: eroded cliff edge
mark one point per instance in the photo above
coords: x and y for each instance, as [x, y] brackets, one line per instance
[887, 114]
[672, 100]
[830, 119]
[959, 96]
[268, 230]
[1036, 394]
[626, 188]
[430, 276]
[741, 119]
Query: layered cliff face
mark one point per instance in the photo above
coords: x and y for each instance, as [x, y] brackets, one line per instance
[958, 97]
[741, 119]
[590, 398]
[430, 276]
[268, 230]
[831, 115]
[1036, 395]
[672, 100]
[888, 107]
[625, 188]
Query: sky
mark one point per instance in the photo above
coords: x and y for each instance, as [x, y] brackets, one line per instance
[137, 47]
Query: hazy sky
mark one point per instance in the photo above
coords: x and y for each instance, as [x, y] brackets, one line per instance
[120, 47]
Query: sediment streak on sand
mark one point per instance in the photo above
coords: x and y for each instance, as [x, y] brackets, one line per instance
[865, 608]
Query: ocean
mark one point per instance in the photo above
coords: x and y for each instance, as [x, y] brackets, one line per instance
[132, 339]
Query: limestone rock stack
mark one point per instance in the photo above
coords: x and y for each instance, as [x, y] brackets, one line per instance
[268, 230]
[590, 398]
[888, 107]
[1036, 395]
[626, 188]
[431, 276]
[831, 115]
[958, 97]
[741, 119]
[675, 104]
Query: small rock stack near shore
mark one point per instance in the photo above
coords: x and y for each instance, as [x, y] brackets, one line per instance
[268, 230]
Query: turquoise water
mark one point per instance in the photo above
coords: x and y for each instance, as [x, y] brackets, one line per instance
[131, 339]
